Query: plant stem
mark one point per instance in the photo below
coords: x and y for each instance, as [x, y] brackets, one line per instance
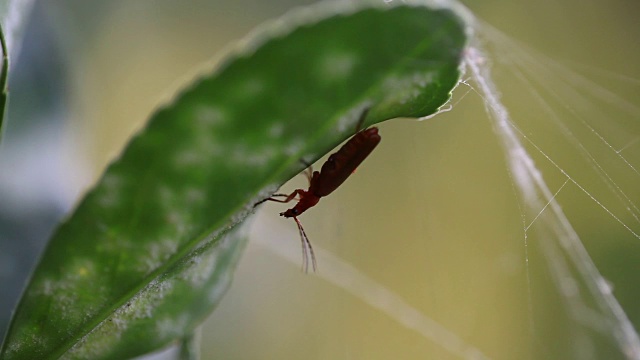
[190, 346]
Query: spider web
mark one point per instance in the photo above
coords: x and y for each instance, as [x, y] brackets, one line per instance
[571, 108]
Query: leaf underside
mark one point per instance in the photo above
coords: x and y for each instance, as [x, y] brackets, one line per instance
[150, 250]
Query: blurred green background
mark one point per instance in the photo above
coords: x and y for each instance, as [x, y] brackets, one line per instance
[431, 215]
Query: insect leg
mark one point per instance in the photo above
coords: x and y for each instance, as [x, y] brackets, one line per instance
[288, 197]
[308, 172]
[363, 116]
[280, 195]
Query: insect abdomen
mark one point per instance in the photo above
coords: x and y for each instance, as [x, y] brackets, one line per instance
[342, 163]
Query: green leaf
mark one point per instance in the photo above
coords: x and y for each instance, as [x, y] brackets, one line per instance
[13, 14]
[151, 249]
[4, 76]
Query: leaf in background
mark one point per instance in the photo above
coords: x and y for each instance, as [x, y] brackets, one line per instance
[13, 14]
[151, 249]
[4, 76]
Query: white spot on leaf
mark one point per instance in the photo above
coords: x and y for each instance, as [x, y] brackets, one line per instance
[195, 195]
[252, 157]
[276, 130]
[349, 121]
[199, 151]
[252, 87]
[406, 88]
[200, 270]
[189, 158]
[171, 327]
[107, 334]
[156, 255]
[111, 191]
[336, 66]
[207, 116]
[294, 147]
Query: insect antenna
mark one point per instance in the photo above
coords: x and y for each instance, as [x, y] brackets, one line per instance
[306, 244]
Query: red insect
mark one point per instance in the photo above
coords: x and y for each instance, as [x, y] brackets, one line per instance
[332, 174]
